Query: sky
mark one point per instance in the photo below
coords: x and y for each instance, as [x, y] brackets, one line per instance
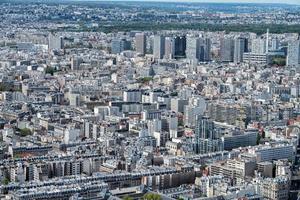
[233, 1]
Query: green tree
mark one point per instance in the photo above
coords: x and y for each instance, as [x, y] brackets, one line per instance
[151, 196]
[5, 181]
[24, 132]
[127, 198]
[50, 70]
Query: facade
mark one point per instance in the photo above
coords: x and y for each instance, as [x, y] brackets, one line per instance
[226, 50]
[293, 54]
[240, 47]
[258, 46]
[158, 46]
[180, 46]
[119, 45]
[140, 43]
[169, 48]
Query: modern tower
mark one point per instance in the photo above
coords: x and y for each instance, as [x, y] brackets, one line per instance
[239, 49]
[158, 46]
[140, 43]
[169, 48]
[226, 49]
[258, 46]
[180, 46]
[293, 54]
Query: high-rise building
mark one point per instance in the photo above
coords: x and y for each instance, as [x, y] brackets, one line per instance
[293, 54]
[140, 43]
[119, 45]
[169, 48]
[180, 46]
[259, 46]
[207, 139]
[207, 49]
[75, 63]
[192, 49]
[274, 44]
[239, 49]
[198, 49]
[158, 46]
[226, 49]
[55, 42]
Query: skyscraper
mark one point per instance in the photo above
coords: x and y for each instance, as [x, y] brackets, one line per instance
[119, 45]
[158, 46]
[259, 46]
[207, 49]
[140, 43]
[293, 54]
[169, 48]
[226, 49]
[192, 49]
[275, 44]
[180, 46]
[239, 49]
[207, 139]
[55, 42]
[198, 49]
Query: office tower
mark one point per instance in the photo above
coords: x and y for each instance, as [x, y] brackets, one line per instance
[198, 49]
[55, 42]
[275, 44]
[192, 49]
[258, 46]
[204, 128]
[119, 45]
[140, 43]
[293, 54]
[226, 49]
[207, 49]
[169, 48]
[180, 46]
[75, 63]
[207, 139]
[158, 46]
[239, 49]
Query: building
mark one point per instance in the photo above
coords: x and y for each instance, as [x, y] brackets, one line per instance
[120, 45]
[132, 96]
[258, 46]
[248, 138]
[192, 49]
[293, 54]
[158, 47]
[169, 48]
[55, 42]
[274, 152]
[226, 49]
[140, 43]
[180, 46]
[240, 47]
[275, 188]
[256, 58]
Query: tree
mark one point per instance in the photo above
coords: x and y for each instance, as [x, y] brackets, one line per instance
[151, 196]
[24, 132]
[5, 181]
[127, 198]
[50, 70]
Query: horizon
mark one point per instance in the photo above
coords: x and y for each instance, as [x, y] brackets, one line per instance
[288, 2]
